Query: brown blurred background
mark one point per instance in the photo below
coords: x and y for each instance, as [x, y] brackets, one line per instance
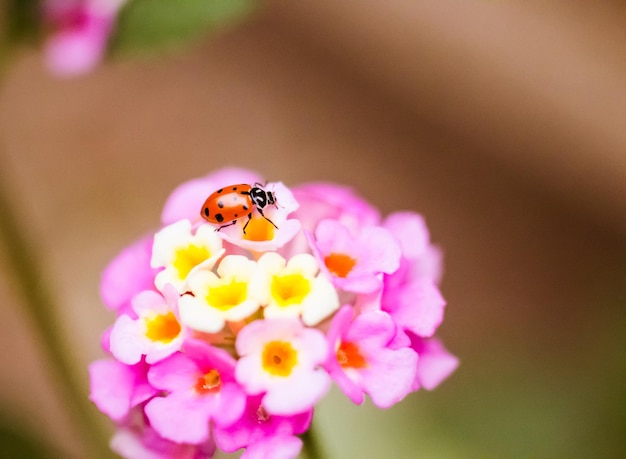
[503, 122]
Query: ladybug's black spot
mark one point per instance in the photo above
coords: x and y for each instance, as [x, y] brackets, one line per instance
[220, 204]
[206, 211]
[234, 188]
[245, 207]
[219, 191]
[219, 218]
[236, 215]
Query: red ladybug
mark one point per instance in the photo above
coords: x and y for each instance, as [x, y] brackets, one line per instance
[234, 202]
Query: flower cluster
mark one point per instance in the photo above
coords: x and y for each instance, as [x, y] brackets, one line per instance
[229, 338]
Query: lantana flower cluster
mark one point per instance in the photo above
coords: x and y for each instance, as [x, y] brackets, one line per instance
[227, 339]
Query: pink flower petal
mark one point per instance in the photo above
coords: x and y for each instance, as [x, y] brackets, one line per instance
[435, 363]
[116, 388]
[278, 447]
[417, 307]
[256, 424]
[128, 274]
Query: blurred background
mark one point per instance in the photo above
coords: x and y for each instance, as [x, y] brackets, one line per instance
[503, 122]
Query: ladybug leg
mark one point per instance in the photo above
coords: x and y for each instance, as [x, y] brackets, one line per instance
[263, 215]
[226, 226]
[246, 225]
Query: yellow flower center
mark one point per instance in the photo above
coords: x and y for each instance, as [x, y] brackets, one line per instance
[339, 264]
[290, 289]
[259, 229]
[349, 356]
[209, 382]
[279, 358]
[227, 295]
[163, 328]
[187, 258]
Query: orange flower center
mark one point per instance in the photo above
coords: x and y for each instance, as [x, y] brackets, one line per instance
[259, 229]
[163, 328]
[349, 356]
[279, 358]
[339, 264]
[210, 382]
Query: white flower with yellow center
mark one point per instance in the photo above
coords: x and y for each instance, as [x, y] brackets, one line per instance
[294, 288]
[221, 298]
[182, 253]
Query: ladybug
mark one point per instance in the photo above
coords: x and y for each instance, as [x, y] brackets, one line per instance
[234, 202]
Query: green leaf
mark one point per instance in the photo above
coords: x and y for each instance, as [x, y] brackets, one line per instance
[156, 25]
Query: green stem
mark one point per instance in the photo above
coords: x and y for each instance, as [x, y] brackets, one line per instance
[311, 446]
[21, 262]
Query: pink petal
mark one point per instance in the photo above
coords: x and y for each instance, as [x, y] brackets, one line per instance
[278, 447]
[390, 376]
[418, 307]
[176, 373]
[435, 363]
[178, 418]
[298, 394]
[115, 388]
[128, 274]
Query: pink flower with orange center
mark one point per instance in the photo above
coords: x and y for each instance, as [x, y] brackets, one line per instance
[355, 262]
[282, 358]
[155, 332]
[200, 388]
[362, 361]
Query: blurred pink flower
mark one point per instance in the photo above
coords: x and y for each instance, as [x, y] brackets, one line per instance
[80, 33]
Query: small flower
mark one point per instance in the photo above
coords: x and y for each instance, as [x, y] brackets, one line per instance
[156, 333]
[200, 388]
[355, 263]
[294, 288]
[182, 253]
[216, 299]
[280, 357]
[361, 360]
[117, 388]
